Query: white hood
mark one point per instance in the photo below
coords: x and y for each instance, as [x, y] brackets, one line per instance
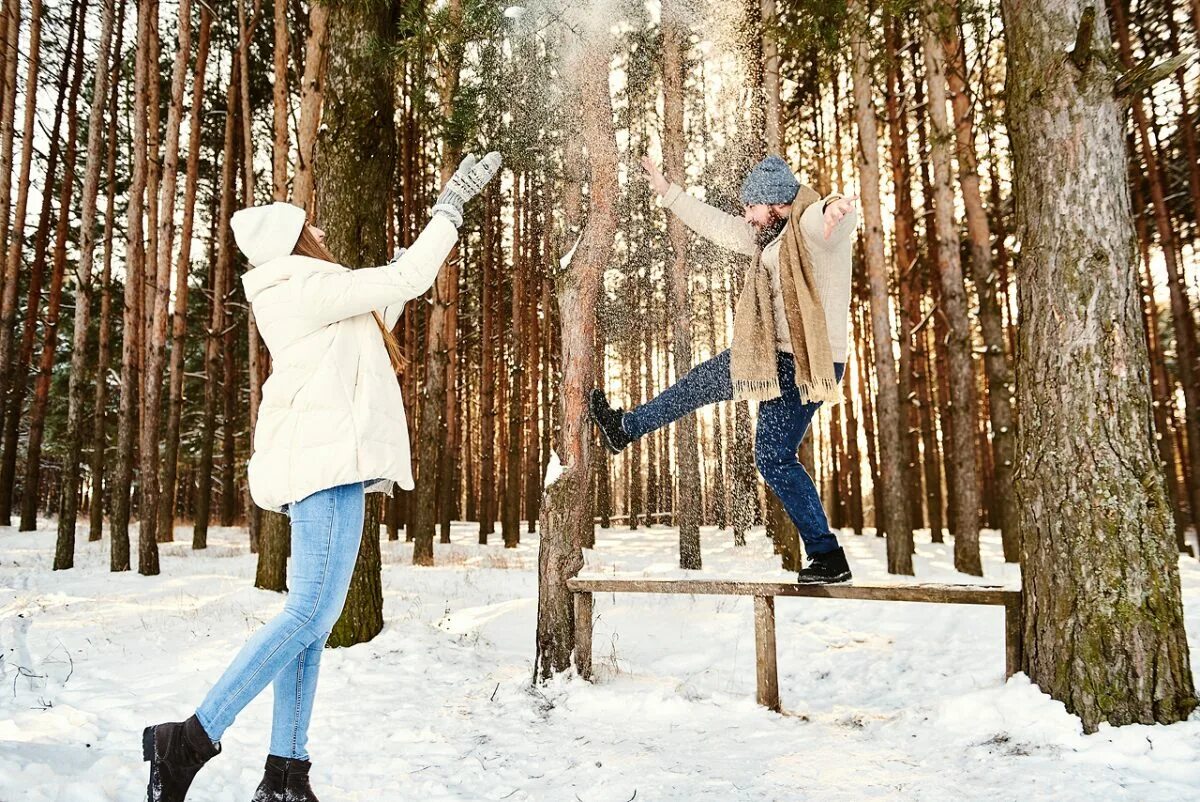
[267, 232]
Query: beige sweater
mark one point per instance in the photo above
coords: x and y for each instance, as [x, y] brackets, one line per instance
[831, 258]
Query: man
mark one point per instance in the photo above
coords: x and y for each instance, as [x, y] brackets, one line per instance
[790, 333]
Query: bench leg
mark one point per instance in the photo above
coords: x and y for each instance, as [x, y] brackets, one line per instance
[583, 634]
[1014, 635]
[764, 640]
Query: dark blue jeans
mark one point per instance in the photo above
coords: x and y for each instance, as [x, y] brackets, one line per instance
[782, 424]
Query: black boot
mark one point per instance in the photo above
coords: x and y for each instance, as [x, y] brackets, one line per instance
[608, 420]
[285, 780]
[176, 751]
[826, 569]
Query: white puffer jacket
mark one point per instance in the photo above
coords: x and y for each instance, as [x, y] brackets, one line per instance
[331, 410]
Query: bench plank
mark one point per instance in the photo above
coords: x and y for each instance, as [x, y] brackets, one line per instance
[931, 593]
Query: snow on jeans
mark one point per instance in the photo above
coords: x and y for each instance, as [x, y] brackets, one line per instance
[782, 424]
[326, 530]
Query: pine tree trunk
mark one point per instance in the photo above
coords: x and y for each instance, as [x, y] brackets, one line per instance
[487, 377]
[893, 519]
[437, 394]
[720, 488]
[16, 236]
[123, 482]
[312, 90]
[1104, 630]
[64, 552]
[41, 395]
[168, 499]
[221, 268]
[566, 521]
[352, 196]
[961, 369]
[274, 529]
[686, 458]
[99, 433]
[510, 524]
[10, 26]
[995, 360]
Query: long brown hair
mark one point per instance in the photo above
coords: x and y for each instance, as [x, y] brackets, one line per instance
[308, 245]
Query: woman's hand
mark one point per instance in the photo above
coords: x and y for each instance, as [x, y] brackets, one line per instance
[835, 210]
[654, 176]
[467, 182]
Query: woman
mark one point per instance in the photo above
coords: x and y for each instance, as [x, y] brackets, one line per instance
[790, 335]
[330, 429]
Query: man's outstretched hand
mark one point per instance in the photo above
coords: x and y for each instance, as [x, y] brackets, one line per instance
[654, 176]
[836, 210]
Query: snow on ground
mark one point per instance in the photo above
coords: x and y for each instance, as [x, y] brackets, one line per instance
[881, 700]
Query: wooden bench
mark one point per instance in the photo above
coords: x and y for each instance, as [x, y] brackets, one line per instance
[764, 594]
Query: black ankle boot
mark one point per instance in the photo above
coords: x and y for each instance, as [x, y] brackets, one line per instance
[285, 780]
[608, 420]
[176, 751]
[826, 569]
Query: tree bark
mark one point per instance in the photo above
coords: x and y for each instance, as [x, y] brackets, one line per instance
[312, 90]
[167, 501]
[41, 395]
[97, 463]
[352, 196]
[995, 359]
[437, 394]
[893, 519]
[11, 25]
[64, 552]
[123, 482]
[687, 465]
[1104, 630]
[961, 369]
[566, 521]
[221, 268]
[16, 243]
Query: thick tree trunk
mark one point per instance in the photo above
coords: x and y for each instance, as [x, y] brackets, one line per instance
[961, 369]
[1104, 628]
[352, 196]
[566, 521]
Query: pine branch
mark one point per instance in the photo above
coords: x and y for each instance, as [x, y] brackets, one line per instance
[1138, 79]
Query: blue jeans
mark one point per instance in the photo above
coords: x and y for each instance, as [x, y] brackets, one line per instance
[782, 424]
[326, 531]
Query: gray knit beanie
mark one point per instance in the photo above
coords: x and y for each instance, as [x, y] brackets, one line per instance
[771, 181]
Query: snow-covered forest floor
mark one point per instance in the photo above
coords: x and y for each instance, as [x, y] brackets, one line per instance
[881, 700]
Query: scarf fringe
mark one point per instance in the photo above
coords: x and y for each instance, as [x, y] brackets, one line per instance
[826, 391]
[755, 389]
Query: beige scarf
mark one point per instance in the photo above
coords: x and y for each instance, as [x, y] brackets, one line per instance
[752, 366]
